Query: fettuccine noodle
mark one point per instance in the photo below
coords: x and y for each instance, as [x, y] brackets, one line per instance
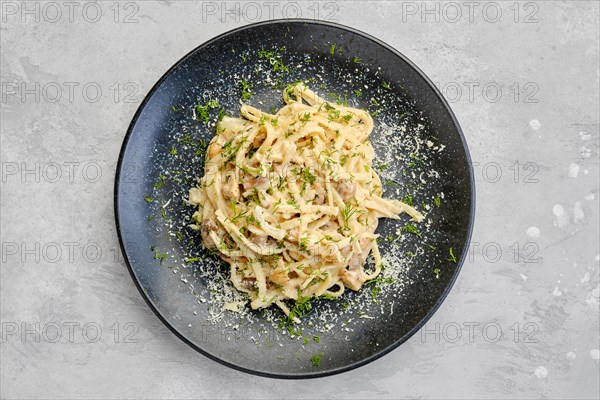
[290, 200]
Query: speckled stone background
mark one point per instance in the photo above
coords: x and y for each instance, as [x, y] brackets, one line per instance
[523, 318]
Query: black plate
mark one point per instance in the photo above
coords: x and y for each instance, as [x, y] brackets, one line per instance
[162, 157]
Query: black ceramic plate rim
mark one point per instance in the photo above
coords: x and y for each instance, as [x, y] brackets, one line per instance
[377, 354]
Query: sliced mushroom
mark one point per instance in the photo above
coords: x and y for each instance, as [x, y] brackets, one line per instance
[346, 189]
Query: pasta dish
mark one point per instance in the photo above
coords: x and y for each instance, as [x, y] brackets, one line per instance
[291, 202]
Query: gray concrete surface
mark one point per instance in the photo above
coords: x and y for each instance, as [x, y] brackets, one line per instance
[522, 320]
